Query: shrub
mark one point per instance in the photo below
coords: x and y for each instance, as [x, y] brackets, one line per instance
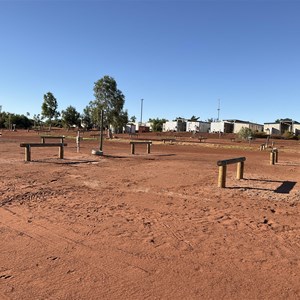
[245, 133]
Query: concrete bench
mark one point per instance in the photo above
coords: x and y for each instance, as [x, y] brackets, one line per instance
[133, 143]
[223, 167]
[44, 137]
[28, 147]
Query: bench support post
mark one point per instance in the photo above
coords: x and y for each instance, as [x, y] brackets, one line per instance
[276, 155]
[132, 148]
[148, 148]
[27, 153]
[240, 170]
[28, 147]
[273, 156]
[61, 152]
[222, 176]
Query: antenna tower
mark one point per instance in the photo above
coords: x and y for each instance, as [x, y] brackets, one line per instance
[218, 109]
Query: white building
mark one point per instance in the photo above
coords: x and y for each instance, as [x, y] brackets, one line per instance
[177, 126]
[282, 126]
[221, 126]
[234, 126]
[272, 128]
[130, 128]
[197, 126]
[296, 128]
[238, 125]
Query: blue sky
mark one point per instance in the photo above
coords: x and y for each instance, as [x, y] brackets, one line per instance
[181, 57]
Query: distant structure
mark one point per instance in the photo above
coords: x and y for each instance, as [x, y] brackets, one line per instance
[218, 119]
[234, 126]
[282, 126]
[142, 101]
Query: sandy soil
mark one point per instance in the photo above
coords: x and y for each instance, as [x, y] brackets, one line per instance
[148, 226]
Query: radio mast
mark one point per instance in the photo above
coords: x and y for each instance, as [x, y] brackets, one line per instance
[218, 109]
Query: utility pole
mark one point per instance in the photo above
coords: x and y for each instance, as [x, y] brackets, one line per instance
[218, 109]
[101, 131]
[142, 100]
[100, 151]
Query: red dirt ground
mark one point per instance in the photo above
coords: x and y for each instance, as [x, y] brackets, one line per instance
[148, 226]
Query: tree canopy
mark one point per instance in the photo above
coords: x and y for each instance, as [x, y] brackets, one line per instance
[157, 124]
[70, 117]
[110, 99]
[8, 119]
[49, 107]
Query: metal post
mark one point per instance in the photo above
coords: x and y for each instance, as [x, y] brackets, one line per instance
[142, 100]
[101, 131]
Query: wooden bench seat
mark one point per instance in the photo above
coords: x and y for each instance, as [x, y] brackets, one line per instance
[222, 164]
[59, 137]
[28, 147]
[133, 143]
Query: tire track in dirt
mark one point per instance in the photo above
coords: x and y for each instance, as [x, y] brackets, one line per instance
[102, 263]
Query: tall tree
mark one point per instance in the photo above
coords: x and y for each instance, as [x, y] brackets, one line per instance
[49, 107]
[110, 99]
[70, 117]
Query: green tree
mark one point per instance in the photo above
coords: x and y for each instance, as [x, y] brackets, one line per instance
[121, 121]
[37, 121]
[157, 124]
[70, 117]
[132, 119]
[17, 121]
[49, 107]
[86, 118]
[110, 99]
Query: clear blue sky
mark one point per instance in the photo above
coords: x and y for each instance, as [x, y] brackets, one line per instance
[179, 56]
